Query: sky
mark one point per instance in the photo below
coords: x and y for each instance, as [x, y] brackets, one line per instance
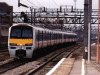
[47, 3]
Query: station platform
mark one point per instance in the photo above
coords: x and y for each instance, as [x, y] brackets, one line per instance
[72, 66]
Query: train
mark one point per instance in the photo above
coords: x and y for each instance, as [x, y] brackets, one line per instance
[24, 39]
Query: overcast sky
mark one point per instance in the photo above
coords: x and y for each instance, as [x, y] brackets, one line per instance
[47, 3]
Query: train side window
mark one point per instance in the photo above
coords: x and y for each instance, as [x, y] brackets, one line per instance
[71, 36]
[43, 35]
[50, 35]
[46, 35]
[66, 36]
[54, 36]
[61, 35]
[74, 36]
[58, 36]
[38, 35]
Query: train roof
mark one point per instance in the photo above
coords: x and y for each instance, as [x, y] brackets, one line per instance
[39, 28]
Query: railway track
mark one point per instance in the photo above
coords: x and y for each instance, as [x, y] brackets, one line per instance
[46, 66]
[31, 68]
[3, 48]
[11, 65]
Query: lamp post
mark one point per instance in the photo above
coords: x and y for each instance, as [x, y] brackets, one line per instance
[75, 13]
[75, 5]
[0, 30]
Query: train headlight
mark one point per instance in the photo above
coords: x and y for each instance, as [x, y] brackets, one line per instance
[13, 44]
[30, 44]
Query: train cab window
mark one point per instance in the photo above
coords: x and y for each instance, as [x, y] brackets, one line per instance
[15, 33]
[21, 32]
[26, 33]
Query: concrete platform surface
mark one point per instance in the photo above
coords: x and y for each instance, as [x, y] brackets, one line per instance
[70, 66]
[90, 70]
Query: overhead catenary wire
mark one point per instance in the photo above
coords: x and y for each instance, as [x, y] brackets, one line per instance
[55, 3]
[32, 3]
[39, 3]
[26, 2]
